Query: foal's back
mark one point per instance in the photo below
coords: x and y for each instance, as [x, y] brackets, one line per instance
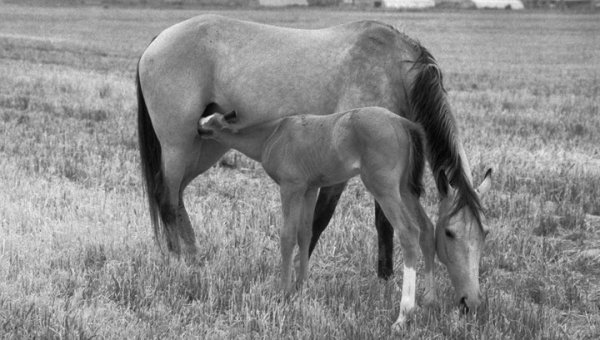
[325, 150]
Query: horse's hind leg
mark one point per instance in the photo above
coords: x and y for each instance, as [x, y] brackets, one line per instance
[180, 165]
[169, 204]
[201, 157]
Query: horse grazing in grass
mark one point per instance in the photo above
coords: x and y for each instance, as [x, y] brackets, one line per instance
[303, 153]
[208, 64]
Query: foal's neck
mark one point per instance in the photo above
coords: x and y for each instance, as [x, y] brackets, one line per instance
[250, 140]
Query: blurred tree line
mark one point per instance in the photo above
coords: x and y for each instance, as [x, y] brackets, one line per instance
[559, 4]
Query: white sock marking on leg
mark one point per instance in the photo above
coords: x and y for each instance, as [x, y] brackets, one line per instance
[407, 303]
[409, 283]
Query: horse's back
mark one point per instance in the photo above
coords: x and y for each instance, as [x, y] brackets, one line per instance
[268, 71]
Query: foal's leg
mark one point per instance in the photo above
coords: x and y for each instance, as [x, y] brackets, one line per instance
[398, 213]
[387, 193]
[292, 202]
[304, 235]
[427, 243]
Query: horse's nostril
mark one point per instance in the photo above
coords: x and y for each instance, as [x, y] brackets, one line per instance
[462, 304]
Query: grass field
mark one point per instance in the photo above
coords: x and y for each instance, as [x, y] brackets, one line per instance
[77, 258]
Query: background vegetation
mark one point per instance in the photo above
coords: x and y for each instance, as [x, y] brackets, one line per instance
[77, 259]
[585, 5]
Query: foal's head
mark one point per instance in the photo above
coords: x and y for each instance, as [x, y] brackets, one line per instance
[459, 239]
[207, 126]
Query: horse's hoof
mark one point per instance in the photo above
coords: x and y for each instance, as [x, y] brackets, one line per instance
[398, 327]
[298, 287]
[190, 257]
[289, 291]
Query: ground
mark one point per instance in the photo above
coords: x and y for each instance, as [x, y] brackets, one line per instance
[77, 257]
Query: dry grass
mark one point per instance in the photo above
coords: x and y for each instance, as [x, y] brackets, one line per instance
[77, 259]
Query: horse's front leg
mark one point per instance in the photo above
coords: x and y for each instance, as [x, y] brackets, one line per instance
[304, 235]
[292, 201]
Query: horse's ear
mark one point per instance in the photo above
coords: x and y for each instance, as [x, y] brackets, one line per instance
[230, 117]
[485, 186]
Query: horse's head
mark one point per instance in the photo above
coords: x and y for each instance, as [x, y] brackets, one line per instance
[207, 126]
[459, 244]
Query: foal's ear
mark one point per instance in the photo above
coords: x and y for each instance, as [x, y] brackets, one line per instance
[230, 117]
[485, 186]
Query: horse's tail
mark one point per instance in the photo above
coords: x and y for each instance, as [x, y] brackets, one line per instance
[431, 110]
[416, 158]
[150, 155]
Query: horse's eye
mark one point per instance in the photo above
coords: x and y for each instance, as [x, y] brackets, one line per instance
[450, 234]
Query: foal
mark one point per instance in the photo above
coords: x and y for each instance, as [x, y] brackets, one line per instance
[305, 152]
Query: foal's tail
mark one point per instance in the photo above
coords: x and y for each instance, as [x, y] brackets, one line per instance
[150, 154]
[431, 110]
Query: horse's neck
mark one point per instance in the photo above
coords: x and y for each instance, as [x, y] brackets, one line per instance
[251, 140]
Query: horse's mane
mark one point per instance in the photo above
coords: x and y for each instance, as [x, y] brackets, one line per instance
[430, 106]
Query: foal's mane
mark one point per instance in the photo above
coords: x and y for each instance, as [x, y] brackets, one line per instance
[431, 109]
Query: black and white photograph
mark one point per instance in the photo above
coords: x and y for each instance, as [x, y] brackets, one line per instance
[300, 169]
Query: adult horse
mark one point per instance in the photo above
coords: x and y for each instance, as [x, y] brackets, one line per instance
[211, 63]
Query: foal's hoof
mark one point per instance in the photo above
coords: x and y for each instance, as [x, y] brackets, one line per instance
[402, 322]
[398, 327]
